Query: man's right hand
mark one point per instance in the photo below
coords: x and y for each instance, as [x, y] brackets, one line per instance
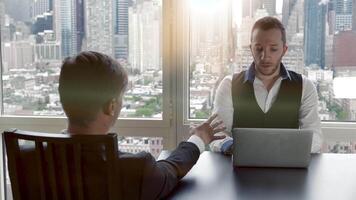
[207, 130]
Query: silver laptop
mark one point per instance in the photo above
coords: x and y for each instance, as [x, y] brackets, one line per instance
[263, 147]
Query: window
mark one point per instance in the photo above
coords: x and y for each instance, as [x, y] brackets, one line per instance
[321, 39]
[35, 39]
[37, 34]
[320, 48]
[176, 52]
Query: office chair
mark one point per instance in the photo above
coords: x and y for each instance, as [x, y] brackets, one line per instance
[60, 166]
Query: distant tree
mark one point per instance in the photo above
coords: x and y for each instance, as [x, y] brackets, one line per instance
[144, 112]
[137, 98]
[201, 114]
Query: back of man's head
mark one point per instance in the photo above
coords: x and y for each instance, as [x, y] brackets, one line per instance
[267, 23]
[87, 83]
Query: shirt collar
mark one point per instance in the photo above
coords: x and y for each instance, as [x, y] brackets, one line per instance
[251, 73]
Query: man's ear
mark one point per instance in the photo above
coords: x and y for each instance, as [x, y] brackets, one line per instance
[253, 55]
[285, 49]
[109, 108]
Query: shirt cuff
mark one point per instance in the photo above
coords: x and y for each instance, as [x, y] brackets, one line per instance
[215, 146]
[226, 147]
[198, 142]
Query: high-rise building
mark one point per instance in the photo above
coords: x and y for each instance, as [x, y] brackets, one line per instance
[314, 33]
[331, 18]
[354, 15]
[244, 32]
[69, 25]
[270, 6]
[292, 17]
[329, 51]
[48, 51]
[99, 26]
[294, 58]
[2, 16]
[343, 14]
[288, 6]
[344, 51]
[43, 22]
[38, 7]
[249, 7]
[65, 26]
[18, 54]
[260, 13]
[212, 39]
[145, 45]
[80, 24]
[2, 29]
[121, 29]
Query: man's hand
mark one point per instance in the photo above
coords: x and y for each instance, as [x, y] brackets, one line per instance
[207, 130]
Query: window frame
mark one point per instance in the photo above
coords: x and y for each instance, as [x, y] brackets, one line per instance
[175, 122]
[140, 127]
[332, 130]
[164, 122]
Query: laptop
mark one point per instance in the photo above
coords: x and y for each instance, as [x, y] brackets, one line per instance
[264, 147]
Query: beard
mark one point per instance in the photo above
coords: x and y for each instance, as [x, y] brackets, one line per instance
[268, 69]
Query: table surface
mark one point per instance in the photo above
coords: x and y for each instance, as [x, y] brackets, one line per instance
[329, 176]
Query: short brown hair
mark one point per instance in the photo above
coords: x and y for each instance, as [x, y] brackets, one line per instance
[267, 23]
[88, 82]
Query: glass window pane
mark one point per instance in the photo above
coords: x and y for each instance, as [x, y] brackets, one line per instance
[138, 144]
[36, 35]
[320, 35]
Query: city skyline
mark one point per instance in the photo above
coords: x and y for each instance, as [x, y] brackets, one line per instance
[37, 35]
[131, 31]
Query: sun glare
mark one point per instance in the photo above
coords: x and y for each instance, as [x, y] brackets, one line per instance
[342, 87]
[206, 6]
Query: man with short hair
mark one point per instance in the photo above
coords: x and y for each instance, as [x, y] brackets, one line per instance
[91, 89]
[267, 95]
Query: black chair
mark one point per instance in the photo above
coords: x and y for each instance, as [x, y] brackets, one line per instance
[61, 166]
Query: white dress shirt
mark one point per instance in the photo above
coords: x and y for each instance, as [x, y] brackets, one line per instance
[198, 142]
[308, 112]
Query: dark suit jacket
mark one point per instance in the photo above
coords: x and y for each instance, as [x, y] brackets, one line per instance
[141, 176]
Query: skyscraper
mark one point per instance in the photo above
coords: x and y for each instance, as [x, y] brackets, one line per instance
[18, 54]
[121, 28]
[145, 19]
[354, 15]
[38, 7]
[2, 15]
[270, 6]
[99, 26]
[314, 33]
[344, 57]
[80, 24]
[66, 26]
[288, 6]
[43, 22]
[292, 17]
[249, 7]
[343, 14]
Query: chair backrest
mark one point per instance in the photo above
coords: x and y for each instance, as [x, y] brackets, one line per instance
[61, 166]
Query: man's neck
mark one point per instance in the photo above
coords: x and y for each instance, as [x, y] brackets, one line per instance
[86, 130]
[268, 81]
